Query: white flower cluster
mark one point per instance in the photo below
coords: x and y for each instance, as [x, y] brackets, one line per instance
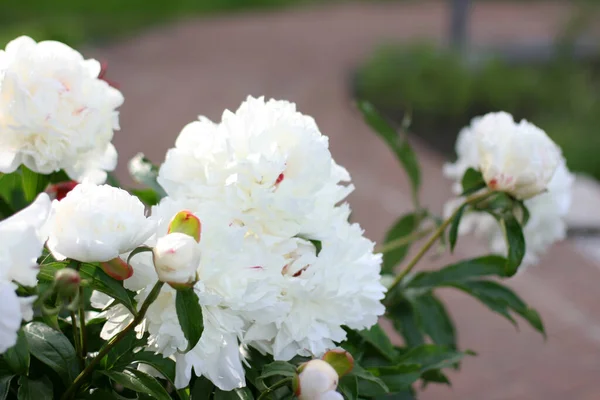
[55, 112]
[520, 159]
[279, 266]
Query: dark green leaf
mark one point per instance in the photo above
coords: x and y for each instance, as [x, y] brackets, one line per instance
[202, 389]
[189, 314]
[377, 338]
[139, 381]
[11, 191]
[53, 349]
[434, 320]
[401, 377]
[397, 143]
[112, 180]
[147, 196]
[435, 376]
[404, 319]
[462, 271]
[318, 245]
[30, 389]
[236, 394]
[524, 212]
[348, 386]
[5, 386]
[282, 368]
[368, 384]
[17, 357]
[33, 183]
[121, 355]
[6, 209]
[430, 356]
[138, 250]
[165, 366]
[405, 226]
[148, 176]
[472, 181]
[515, 242]
[453, 234]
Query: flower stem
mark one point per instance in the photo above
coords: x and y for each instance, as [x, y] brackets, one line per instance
[77, 340]
[113, 342]
[473, 199]
[403, 241]
[276, 386]
[83, 337]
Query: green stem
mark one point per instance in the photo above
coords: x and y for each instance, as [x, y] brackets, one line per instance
[76, 340]
[276, 386]
[403, 241]
[82, 326]
[473, 199]
[113, 342]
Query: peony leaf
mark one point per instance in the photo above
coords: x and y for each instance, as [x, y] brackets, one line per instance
[403, 227]
[144, 172]
[377, 338]
[140, 382]
[30, 389]
[33, 183]
[472, 181]
[369, 385]
[282, 368]
[236, 394]
[404, 319]
[348, 386]
[431, 356]
[202, 389]
[189, 313]
[17, 357]
[515, 241]
[453, 233]
[434, 319]
[138, 250]
[5, 386]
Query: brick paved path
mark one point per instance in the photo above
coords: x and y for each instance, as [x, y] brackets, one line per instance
[202, 66]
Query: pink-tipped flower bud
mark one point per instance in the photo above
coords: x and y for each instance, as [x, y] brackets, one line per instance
[117, 269]
[59, 191]
[316, 380]
[67, 282]
[340, 360]
[187, 223]
[176, 259]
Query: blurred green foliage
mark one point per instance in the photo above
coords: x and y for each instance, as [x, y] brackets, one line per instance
[443, 92]
[77, 21]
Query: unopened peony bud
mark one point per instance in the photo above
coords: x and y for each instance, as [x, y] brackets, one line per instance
[317, 380]
[341, 361]
[117, 269]
[59, 191]
[519, 159]
[188, 223]
[66, 282]
[176, 259]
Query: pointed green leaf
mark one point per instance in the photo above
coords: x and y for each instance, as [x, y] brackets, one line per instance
[189, 314]
[5, 386]
[138, 250]
[430, 356]
[236, 394]
[515, 242]
[377, 338]
[403, 227]
[139, 381]
[147, 196]
[472, 181]
[30, 389]
[33, 183]
[435, 320]
[202, 389]
[368, 384]
[404, 319]
[453, 234]
[348, 386]
[282, 368]
[17, 357]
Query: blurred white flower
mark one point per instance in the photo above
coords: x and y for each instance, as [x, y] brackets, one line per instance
[519, 159]
[10, 309]
[54, 111]
[176, 258]
[318, 381]
[269, 163]
[547, 210]
[96, 224]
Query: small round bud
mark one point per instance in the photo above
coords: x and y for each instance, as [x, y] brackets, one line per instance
[188, 223]
[176, 259]
[317, 379]
[66, 282]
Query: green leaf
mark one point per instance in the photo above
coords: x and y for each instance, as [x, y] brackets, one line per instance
[368, 384]
[5, 386]
[515, 242]
[400, 377]
[282, 368]
[435, 320]
[430, 356]
[147, 196]
[348, 386]
[148, 175]
[139, 381]
[524, 212]
[165, 366]
[377, 338]
[466, 270]
[403, 227]
[121, 355]
[435, 376]
[397, 143]
[189, 314]
[33, 183]
[30, 389]
[453, 234]
[53, 349]
[236, 394]
[202, 389]
[318, 245]
[17, 357]
[138, 250]
[472, 181]
[404, 319]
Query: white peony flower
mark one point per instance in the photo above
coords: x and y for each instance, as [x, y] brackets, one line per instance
[96, 224]
[54, 111]
[318, 381]
[548, 210]
[519, 159]
[267, 162]
[176, 258]
[10, 309]
[21, 241]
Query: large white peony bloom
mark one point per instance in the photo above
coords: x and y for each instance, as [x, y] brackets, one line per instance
[548, 210]
[54, 111]
[21, 243]
[96, 223]
[267, 162]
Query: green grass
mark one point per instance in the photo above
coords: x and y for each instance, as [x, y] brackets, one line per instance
[84, 21]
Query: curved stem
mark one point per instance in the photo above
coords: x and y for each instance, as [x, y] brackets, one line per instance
[113, 342]
[83, 336]
[403, 241]
[473, 199]
[276, 386]
[77, 340]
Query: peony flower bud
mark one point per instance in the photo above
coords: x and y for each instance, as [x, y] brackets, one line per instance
[176, 259]
[188, 223]
[519, 159]
[317, 380]
[66, 282]
[117, 269]
[59, 191]
[341, 361]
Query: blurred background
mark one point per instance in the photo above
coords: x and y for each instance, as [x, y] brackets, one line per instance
[440, 61]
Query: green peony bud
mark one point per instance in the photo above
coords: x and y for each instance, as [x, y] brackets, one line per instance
[340, 360]
[66, 282]
[187, 223]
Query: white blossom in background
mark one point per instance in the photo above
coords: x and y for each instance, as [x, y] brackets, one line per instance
[267, 162]
[21, 243]
[318, 381]
[547, 210]
[55, 113]
[96, 223]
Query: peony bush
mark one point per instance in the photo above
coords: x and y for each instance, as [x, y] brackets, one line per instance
[235, 272]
